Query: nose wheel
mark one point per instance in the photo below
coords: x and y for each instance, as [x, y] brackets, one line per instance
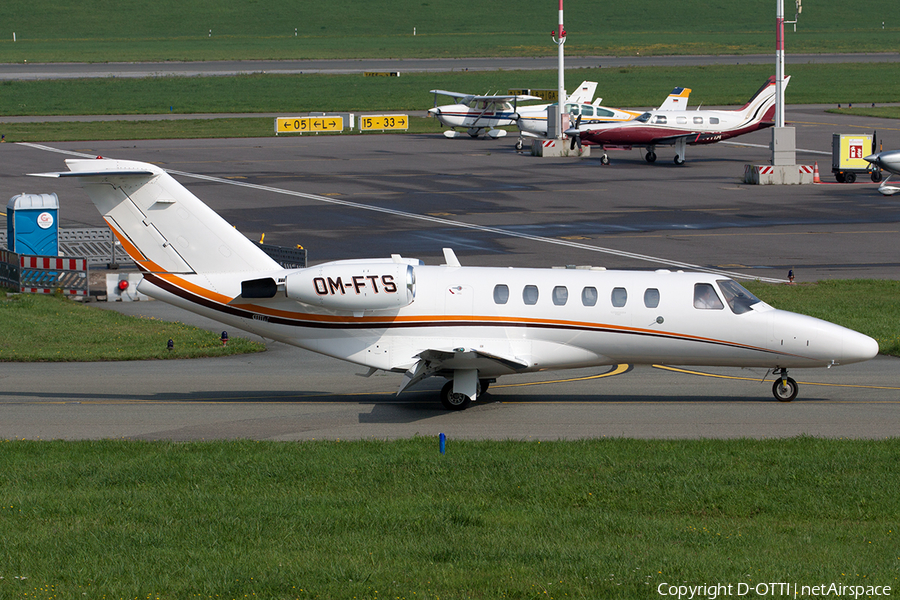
[785, 389]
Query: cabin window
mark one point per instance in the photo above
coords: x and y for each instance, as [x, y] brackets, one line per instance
[587, 111]
[572, 109]
[560, 295]
[737, 297]
[619, 297]
[644, 118]
[530, 294]
[698, 120]
[714, 120]
[660, 120]
[651, 297]
[501, 293]
[604, 112]
[705, 297]
[589, 296]
[681, 120]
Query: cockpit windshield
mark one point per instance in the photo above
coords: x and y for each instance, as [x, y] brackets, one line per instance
[644, 117]
[738, 298]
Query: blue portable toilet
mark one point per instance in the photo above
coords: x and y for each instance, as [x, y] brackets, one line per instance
[32, 224]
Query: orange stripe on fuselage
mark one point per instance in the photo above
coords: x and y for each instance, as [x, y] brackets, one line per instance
[438, 320]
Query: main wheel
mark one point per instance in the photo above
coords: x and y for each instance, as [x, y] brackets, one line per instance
[679, 160]
[453, 401]
[650, 157]
[604, 160]
[483, 385]
[849, 177]
[785, 390]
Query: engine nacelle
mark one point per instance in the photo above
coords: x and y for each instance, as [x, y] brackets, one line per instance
[353, 286]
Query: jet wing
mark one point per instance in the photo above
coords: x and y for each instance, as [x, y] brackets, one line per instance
[433, 362]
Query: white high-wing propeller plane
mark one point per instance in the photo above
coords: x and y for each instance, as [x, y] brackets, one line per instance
[478, 113]
[887, 160]
[470, 325]
[681, 127]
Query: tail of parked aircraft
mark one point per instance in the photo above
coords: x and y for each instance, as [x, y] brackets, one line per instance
[583, 94]
[761, 106]
[677, 100]
[160, 224]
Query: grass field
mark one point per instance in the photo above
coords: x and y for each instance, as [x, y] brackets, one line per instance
[131, 30]
[620, 87]
[370, 520]
[37, 327]
[625, 87]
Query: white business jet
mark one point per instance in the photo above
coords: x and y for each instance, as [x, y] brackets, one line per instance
[469, 325]
[887, 160]
[681, 128]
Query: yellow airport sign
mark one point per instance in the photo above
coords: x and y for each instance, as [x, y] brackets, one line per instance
[548, 95]
[382, 122]
[308, 124]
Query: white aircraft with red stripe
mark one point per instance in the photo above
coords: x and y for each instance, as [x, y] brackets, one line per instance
[470, 325]
[681, 128]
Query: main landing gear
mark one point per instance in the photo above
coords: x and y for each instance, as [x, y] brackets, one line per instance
[457, 401]
[785, 389]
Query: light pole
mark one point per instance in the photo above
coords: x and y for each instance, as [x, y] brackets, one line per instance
[561, 84]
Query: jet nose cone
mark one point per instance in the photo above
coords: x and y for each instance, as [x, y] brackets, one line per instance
[858, 347]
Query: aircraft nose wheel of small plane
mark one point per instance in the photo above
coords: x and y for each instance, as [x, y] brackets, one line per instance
[785, 389]
[604, 160]
[520, 144]
[650, 157]
[679, 160]
[453, 401]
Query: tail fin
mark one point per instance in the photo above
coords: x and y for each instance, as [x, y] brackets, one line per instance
[161, 225]
[677, 100]
[761, 106]
[584, 93]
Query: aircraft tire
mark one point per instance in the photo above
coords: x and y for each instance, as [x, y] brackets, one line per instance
[876, 176]
[520, 144]
[483, 385]
[679, 160]
[650, 157]
[453, 401]
[604, 160]
[849, 177]
[785, 390]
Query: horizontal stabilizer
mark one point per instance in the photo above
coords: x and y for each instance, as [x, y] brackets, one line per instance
[162, 226]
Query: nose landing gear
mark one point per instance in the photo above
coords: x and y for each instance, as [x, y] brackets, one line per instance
[785, 389]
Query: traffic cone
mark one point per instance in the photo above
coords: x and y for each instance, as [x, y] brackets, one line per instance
[816, 173]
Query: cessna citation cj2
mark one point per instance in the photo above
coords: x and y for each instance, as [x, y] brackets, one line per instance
[469, 325]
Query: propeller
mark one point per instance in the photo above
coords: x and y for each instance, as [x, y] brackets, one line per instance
[574, 134]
